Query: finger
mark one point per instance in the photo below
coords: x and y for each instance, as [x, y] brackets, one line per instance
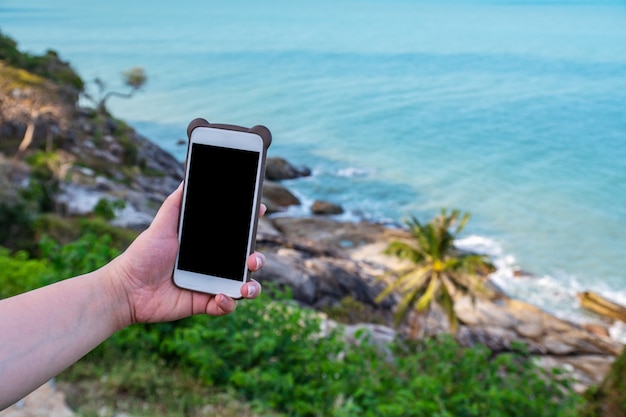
[262, 210]
[251, 289]
[256, 261]
[221, 306]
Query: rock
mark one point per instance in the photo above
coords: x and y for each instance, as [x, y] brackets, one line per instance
[325, 208]
[379, 335]
[277, 169]
[336, 279]
[276, 197]
[497, 339]
[600, 305]
[76, 200]
[597, 329]
[554, 342]
[285, 268]
[586, 370]
[530, 330]
[318, 274]
[482, 312]
[334, 233]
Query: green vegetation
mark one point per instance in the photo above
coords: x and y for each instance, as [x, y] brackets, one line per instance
[351, 311]
[274, 357]
[438, 270]
[49, 65]
[609, 399]
[134, 78]
[106, 208]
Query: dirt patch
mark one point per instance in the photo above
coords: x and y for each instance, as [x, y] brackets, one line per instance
[46, 401]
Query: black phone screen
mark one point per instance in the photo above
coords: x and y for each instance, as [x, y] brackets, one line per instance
[218, 211]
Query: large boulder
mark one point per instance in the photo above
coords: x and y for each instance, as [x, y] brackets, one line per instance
[277, 169]
[321, 207]
[277, 198]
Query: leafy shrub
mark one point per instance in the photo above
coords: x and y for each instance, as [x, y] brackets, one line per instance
[16, 231]
[106, 208]
[19, 273]
[44, 183]
[84, 255]
[609, 398]
[49, 65]
[351, 311]
[277, 353]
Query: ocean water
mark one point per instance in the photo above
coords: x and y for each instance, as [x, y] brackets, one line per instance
[513, 111]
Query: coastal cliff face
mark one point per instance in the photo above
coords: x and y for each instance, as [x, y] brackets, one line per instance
[82, 157]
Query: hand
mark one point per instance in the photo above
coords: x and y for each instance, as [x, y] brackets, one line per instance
[143, 275]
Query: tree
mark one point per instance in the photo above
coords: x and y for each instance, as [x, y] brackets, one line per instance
[135, 78]
[438, 271]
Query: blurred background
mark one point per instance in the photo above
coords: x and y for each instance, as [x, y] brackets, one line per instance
[512, 111]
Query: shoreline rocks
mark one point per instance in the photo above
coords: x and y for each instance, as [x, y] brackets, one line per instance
[323, 261]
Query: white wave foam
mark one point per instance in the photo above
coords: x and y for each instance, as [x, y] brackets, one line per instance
[351, 172]
[618, 331]
[556, 294]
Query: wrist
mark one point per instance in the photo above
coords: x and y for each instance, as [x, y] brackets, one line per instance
[116, 293]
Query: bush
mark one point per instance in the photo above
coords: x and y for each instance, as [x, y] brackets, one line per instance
[279, 356]
[106, 208]
[19, 274]
[84, 255]
[49, 65]
[609, 398]
[16, 230]
[275, 353]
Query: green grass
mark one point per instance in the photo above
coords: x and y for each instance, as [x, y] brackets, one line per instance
[146, 387]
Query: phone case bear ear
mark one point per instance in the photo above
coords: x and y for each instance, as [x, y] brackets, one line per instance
[260, 130]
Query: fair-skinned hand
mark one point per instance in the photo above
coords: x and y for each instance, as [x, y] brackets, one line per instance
[143, 274]
[44, 331]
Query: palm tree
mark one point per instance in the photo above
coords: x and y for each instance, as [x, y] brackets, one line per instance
[438, 271]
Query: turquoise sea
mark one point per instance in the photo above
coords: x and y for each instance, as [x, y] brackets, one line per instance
[514, 111]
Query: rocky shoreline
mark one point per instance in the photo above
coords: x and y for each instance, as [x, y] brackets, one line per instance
[325, 261]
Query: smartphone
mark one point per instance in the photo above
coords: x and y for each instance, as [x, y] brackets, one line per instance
[224, 171]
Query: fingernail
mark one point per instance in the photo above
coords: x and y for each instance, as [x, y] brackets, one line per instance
[252, 290]
[260, 261]
[224, 300]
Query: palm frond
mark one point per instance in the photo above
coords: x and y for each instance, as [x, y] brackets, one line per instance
[414, 279]
[447, 303]
[404, 250]
[403, 306]
[462, 223]
[423, 303]
[475, 264]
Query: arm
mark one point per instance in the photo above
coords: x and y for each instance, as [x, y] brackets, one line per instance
[44, 331]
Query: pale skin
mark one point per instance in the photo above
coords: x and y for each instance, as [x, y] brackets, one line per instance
[42, 332]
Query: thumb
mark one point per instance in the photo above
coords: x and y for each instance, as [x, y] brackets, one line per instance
[166, 219]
